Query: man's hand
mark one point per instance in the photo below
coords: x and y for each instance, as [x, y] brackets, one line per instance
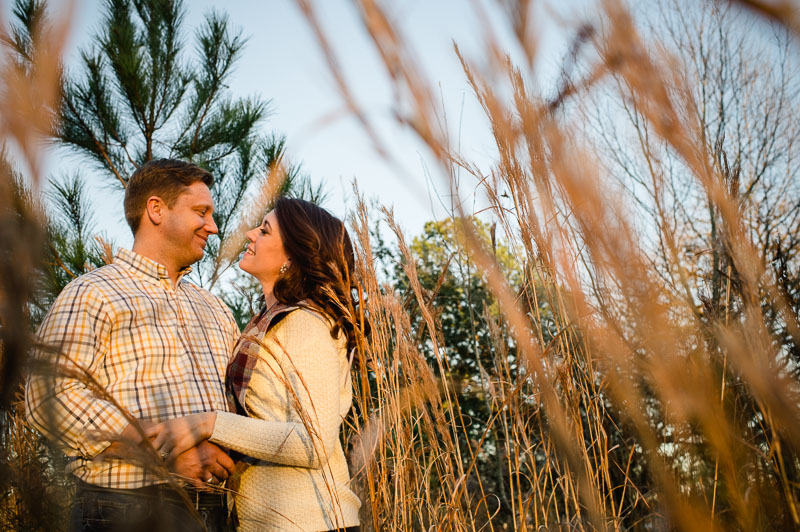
[203, 463]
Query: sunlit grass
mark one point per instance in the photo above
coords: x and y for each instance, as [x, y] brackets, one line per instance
[627, 388]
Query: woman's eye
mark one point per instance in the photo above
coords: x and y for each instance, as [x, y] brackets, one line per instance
[264, 232]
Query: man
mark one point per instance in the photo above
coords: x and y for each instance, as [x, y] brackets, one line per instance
[156, 345]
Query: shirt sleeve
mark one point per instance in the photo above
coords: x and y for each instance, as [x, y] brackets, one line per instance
[60, 399]
[310, 376]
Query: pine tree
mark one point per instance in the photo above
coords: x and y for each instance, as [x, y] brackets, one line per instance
[140, 93]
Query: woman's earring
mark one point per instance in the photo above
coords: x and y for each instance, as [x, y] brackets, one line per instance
[284, 268]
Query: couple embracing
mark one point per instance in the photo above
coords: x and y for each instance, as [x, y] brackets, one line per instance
[167, 353]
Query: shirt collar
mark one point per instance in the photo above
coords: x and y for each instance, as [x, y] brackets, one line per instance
[144, 267]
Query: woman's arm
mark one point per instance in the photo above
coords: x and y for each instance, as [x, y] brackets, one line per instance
[311, 375]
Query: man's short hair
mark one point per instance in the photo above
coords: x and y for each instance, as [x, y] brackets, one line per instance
[165, 178]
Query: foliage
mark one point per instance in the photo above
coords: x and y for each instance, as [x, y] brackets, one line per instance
[71, 249]
[616, 351]
[139, 94]
[665, 394]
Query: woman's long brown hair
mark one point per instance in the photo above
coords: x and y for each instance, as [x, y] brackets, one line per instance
[322, 266]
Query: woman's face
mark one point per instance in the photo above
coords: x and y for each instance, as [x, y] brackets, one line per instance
[265, 254]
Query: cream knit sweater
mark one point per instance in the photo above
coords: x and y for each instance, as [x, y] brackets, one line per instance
[299, 392]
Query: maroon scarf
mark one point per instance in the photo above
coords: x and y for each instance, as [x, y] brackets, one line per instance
[246, 354]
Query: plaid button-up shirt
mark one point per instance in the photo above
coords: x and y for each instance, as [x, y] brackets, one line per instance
[160, 352]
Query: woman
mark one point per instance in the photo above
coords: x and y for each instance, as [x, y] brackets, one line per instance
[289, 378]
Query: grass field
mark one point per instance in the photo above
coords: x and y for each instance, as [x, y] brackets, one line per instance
[641, 370]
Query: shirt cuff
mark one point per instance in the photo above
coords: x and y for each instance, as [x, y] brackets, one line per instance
[104, 423]
[225, 427]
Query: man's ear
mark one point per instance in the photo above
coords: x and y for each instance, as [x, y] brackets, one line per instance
[154, 209]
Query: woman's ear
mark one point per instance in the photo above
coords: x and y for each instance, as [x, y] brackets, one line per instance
[154, 209]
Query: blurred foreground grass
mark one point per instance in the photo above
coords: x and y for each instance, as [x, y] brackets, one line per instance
[635, 348]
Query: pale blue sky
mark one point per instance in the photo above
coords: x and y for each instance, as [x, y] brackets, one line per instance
[282, 62]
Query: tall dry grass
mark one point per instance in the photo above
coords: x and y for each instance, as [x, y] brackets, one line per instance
[667, 398]
[32, 498]
[655, 404]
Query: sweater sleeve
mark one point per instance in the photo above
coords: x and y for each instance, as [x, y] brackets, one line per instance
[301, 363]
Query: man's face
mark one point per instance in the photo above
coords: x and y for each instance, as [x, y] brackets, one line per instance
[188, 224]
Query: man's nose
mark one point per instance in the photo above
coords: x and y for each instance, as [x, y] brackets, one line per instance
[211, 227]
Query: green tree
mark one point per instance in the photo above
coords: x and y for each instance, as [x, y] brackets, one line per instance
[459, 295]
[476, 346]
[140, 93]
[71, 245]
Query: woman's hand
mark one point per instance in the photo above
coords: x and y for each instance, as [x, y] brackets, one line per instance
[175, 436]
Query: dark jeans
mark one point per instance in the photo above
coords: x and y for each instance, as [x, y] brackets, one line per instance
[150, 509]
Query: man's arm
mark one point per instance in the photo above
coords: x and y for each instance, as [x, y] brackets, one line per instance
[125, 445]
[59, 398]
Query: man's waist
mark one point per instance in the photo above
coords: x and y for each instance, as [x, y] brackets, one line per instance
[162, 492]
[113, 473]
